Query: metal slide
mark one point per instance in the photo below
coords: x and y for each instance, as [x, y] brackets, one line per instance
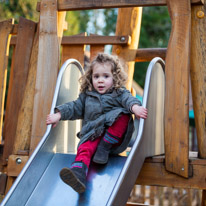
[39, 183]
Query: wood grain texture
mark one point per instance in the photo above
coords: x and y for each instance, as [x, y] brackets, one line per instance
[145, 55]
[14, 168]
[24, 121]
[17, 83]
[100, 40]
[95, 49]
[198, 75]
[153, 173]
[47, 68]
[128, 23]
[74, 51]
[203, 198]
[177, 88]
[5, 30]
[65, 5]
[90, 40]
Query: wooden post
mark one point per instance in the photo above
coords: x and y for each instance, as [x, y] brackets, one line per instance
[128, 23]
[47, 68]
[198, 78]
[203, 198]
[198, 74]
[177, 89]
[24, 122]
[17, 83]
[5, 30]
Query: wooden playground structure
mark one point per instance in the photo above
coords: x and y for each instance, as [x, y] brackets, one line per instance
[38, 50]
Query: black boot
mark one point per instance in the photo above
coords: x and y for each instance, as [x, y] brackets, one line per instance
[101, 156]
[75, 176]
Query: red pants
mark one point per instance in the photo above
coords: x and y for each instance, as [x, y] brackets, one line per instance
[87, 149]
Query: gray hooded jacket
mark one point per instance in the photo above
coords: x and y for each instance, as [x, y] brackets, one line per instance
[100, 111]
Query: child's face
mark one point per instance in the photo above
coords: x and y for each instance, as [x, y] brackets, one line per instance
[102, 78]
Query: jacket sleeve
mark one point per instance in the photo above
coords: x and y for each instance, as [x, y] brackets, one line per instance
[72, 110]
[128, 100]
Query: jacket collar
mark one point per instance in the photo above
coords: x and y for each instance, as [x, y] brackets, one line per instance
[113, 92]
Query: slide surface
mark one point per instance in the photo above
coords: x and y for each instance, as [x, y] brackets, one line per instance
[39, 182]
[51, 191]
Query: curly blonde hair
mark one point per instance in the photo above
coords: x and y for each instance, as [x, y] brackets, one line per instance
[119, 75]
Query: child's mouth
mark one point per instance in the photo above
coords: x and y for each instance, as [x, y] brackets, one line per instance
[100, 87]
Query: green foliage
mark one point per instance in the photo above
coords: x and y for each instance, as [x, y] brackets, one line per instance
[155, 32]
[77, 22]
[16, 8]
[110, 17]
[155, 28]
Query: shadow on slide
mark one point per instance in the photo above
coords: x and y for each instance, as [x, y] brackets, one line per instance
[39, 183]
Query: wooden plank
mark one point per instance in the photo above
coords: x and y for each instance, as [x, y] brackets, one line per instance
[90, 40]
[154, 174]
[177, 89]
[47, 69]
[16, 164]
[61, 25]
[17, 82]
[145, 55]
[128, 23]
[15, 29]
[5, 30]
[3, 179]
[203, 198]
[65, 5]
[74, 51]
[100, 40]
[10, 181]
[24, 121]
[95, 49]
[198, 74]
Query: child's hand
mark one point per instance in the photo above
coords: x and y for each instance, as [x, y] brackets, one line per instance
[139, 111]
[53, 119]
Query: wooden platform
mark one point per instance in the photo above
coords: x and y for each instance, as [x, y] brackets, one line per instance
[153, 173]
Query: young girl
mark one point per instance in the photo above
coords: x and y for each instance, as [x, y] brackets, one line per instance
[106, 108]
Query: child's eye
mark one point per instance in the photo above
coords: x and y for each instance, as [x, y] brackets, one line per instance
[96, 76]
[106, 76]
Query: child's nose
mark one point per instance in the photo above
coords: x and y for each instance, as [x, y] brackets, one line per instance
[101, 79]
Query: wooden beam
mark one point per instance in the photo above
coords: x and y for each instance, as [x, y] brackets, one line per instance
[198, 74]
[203, 198]
[90, 40]
[24, 121]
[153, 173]
[96, 39]
[47, 68]
[3, 179]
[16, 164]
[17, 83]
[177, 88]
[142, 55]
[5, 30]
[65, 5]
[15, 29]
[128, 23]
[145, 55]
